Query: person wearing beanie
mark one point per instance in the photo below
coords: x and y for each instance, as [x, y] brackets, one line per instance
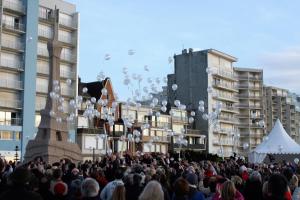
[19, 186]
[194, 194]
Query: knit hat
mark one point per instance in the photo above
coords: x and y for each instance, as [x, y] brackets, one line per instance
[192, 179]
[60, 189]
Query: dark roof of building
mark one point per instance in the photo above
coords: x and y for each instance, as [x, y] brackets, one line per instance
[94, 88]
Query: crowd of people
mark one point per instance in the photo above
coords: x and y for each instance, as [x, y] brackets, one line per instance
[149, 177]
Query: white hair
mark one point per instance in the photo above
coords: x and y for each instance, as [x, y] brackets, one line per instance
[152, 191]
[89, 187]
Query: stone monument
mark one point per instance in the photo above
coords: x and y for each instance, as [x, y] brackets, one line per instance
[51, 142]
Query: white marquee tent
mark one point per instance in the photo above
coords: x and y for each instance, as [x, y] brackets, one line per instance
[278, 143]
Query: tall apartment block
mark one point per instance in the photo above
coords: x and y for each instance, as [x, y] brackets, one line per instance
[250, 86]
[193, 82]
[280, 105]
[26, 27]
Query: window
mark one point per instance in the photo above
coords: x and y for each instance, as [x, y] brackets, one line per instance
[6, 135]
[58, 136]
[17, 135]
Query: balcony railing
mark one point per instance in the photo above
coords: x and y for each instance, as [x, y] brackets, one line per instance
[10, 103]
[225, 96]
[225, 86]
[68, 57]
[13, 84]
[223, 73]
[67, 39]
[13, 26]
[12, 45]
[43, 52]
[161, 124]
[180, 119]
[67, 22]
[42, 69]
[11, 64]
[231, 119]
[45, 33]
[67, 74]
[67, 91]
[13, 5]
[42, 88]
[12, 121]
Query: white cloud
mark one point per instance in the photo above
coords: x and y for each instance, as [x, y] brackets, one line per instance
[282, 68]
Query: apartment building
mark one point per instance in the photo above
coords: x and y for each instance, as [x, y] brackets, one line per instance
[26, 28]
[217, 86]
[280, 104]
[250, 87]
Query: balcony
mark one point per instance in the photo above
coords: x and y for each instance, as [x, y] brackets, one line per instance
[45, 33]
[224, 74]
[68, 23]
[67, 74]
[231, 109]
[14, 6]
[10, 122]
[68, 57]
[180, 119]
[226, 97]
[11, 84]
[161, 125]
[43, 52]
[12, 64]
[67, 40]
[195, 147]
[10, 103]
[12, 45]
[228, 119]
[67, 91]
[42, 88]
[249, 96]
[249, 87]
[225, 86]
[42, 69]
[12, 26]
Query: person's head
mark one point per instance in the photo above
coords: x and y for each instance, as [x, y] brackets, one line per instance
[293, 183]
[277, 186]
[90, 188]
[288, 173]
[237, 181]
[181, 187]
[57, 173]
[228, 191]
[212, 183]
[119, 174]
[192, 180]
[21, 176]
[255, 176]
[60, 189]
[152, 191]
[119, 193]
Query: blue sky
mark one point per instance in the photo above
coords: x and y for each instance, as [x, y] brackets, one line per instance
[262, 34]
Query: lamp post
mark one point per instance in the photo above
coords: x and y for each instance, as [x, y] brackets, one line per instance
[16, 154]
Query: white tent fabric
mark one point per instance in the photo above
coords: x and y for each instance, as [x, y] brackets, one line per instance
[278, 142]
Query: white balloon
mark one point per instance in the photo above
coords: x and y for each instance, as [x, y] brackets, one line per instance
[182, 107]
[210, 89]
[177, 103]
[157, 114]
[245, 146]
[131, 52]
[61, 99]
[58, 119]
[170, 60]
[172, 113]
[191, 120]
[164, 102]
[126, 81]
[149, 80]
[55, 82]
[208, 70]
[155, 101]
[146, 68]
[205, 116]
[101, 76]
[93, 100]
[201, 103]
[165, 79]
[107, 57]
[137, 140]
[157, 80]
[56, 88]
[52, 95]
[79, 99]
[114, 104]
[163, 108]
[296, 160]
[193, 113]
[69, 82]
[174, 87]
[60, 108]
[261, 123]
[52, 113]
[84, 90]
[104, 91]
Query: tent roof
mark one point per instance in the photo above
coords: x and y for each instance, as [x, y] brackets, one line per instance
[279, 142]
